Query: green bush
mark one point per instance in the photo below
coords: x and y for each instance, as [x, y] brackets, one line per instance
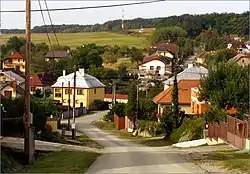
[15, 108]
[99, 105]
[191, 129]
[48, 135]
[119, 109]
[152, 127]
[109, 116]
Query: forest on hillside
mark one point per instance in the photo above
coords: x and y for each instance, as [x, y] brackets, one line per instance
[224, 23]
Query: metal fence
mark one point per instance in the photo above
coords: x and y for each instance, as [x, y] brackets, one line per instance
[78, 112]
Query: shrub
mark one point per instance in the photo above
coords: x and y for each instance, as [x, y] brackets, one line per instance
[109, 116]
[152, 127]
[99, 105]
[119, 109]
[191, 129]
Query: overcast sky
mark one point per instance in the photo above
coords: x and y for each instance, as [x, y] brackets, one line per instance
[92, 16]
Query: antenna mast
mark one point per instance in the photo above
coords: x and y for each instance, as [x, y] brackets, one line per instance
[123, 26]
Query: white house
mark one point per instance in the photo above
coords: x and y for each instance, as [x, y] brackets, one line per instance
[239, 46]
[191, 73]
[155, 66]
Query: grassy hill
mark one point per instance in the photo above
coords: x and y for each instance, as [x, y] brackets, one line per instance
[100, 38]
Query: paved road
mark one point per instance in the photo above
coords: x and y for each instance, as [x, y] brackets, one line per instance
[121, 156]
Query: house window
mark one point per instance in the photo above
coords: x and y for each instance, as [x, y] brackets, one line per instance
[23, 60]
[58, 95]
[242, 61]
[64, 101]
[158, 67]
[33, 89]
[198, 109]
[68, 91]
[80, 92]
[151, 67]
[57, 90]
[95, 91]
[69, 101]
[77, 101]
[18, 60]
[4, 78]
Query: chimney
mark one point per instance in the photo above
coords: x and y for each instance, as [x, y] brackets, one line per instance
[64, 73]
[190, 65]
[82, 71]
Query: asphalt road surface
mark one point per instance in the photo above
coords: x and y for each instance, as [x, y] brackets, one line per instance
[123, 156]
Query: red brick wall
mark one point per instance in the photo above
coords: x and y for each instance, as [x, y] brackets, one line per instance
[119, 121]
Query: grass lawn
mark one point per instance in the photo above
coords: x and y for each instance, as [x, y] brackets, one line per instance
[86, 141]
[126, 62]
[231, 160]
[62, 162]
[77, 39]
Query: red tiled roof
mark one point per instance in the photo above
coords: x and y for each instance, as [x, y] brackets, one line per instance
[42, 79]
[184, 92]
[117, 96]
[163, 59]
[166, 46]
[16, 55]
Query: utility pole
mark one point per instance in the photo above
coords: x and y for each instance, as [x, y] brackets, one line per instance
[74, 100]
[28, 133]
[62, 99]
[137, 99]
[68, 105]
[113, 92]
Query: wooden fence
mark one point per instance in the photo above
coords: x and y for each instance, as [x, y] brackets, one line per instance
[233, 131]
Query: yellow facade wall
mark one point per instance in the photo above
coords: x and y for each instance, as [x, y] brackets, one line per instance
[95, 94]
[86, 98]
[14, 64]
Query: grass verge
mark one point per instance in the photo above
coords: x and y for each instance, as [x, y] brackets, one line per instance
[83, 140]
[230, 159]
[61, 162]
[111, 129]
[155, 142]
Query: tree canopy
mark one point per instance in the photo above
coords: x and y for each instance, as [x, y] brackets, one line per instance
[226, 85]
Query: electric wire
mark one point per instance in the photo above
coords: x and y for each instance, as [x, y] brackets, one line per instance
[53, 29]
[46, 29]
[83, 8]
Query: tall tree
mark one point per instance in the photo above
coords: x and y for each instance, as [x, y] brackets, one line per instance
[172, 34]
[136, 55]
[131, 107]
[226, 85]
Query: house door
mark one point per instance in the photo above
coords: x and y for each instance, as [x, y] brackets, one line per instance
[8, 94]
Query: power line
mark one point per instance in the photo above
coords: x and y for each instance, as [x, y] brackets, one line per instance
[53, 29]
[46, 29]
[83, 8]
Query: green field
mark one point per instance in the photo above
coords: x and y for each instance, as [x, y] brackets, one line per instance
[100, 38]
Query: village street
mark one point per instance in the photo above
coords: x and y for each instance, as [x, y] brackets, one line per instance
[121, 156]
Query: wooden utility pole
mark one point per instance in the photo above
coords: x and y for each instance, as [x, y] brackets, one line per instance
[28, 133]
[113, 93]
[74, 100]
[62, 100]
[68, 105]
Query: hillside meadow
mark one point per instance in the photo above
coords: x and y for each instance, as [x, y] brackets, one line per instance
[100, 38]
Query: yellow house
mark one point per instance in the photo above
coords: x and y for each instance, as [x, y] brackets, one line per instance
[88, 89]
[16, 61]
